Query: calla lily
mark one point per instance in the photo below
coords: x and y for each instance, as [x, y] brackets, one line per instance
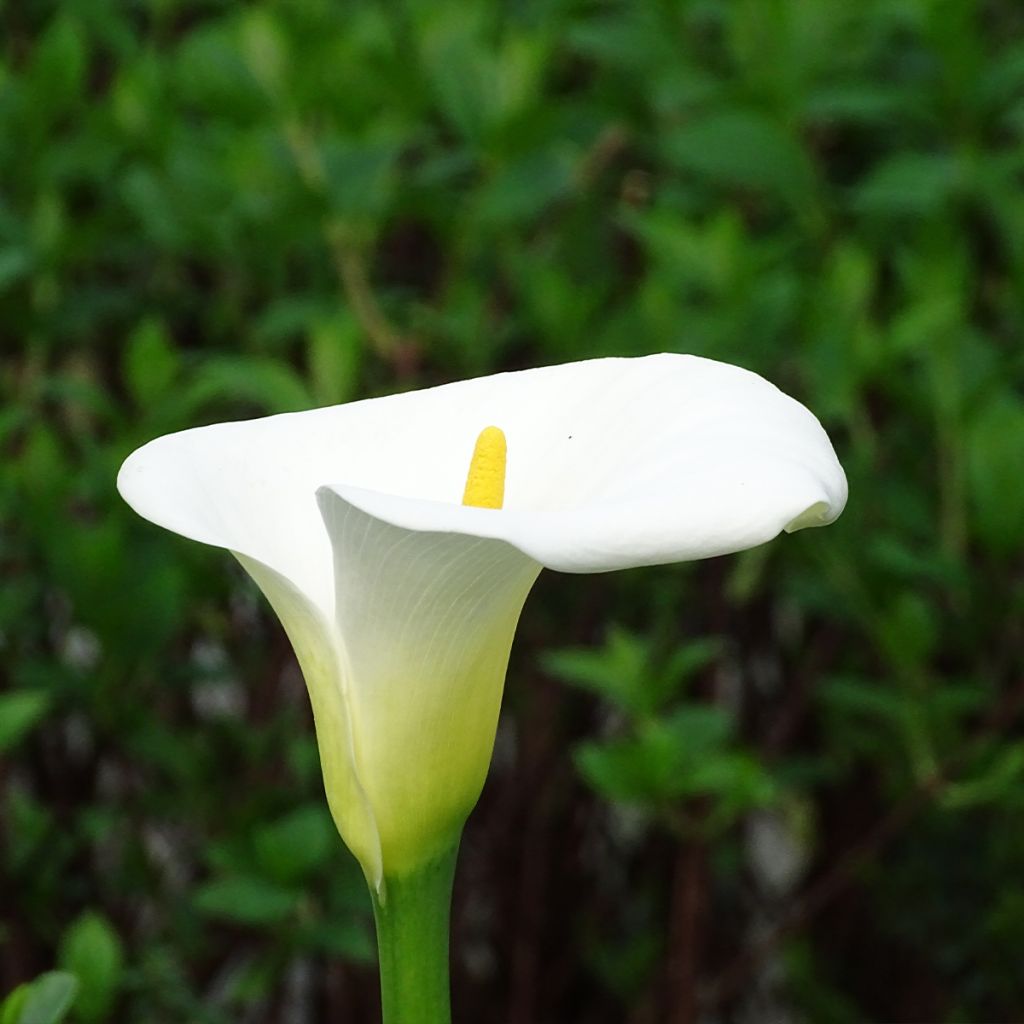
[401, 602]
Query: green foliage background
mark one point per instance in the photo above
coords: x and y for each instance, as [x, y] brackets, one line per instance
[787, 785]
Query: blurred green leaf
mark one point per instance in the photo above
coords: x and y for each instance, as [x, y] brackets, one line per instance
[1002, 777]
[43, 1001]
[58, 66]
[912, 184]
[685, 753]
[995, 440]
[360, 176]
[151, 363]
[744, 150]
[342, 938]
[15, 263]
[870, 103]
[335, 356]
[265, 48]
[91, 950]
[10, 1008]
[523, 189]
[246, 900]
[909, 629]
[267, 384]
[627, 672]
[875, 699]
[210, 71]
[294, 846]
[462, 75]
[20, 712]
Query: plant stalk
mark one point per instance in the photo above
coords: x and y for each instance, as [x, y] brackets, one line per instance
[412, 918]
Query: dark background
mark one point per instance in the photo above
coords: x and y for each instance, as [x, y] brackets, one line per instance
[785, 786]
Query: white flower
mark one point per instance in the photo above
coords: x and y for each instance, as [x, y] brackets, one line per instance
[401, 602]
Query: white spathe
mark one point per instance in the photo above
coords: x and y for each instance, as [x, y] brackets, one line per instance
[401, 603]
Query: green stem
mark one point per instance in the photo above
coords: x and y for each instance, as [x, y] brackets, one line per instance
[412, 940]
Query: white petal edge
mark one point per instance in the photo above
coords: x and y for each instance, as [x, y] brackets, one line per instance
[320, 655]
[729, 513]
[621, 462]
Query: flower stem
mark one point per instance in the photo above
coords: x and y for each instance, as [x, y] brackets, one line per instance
[412, 941]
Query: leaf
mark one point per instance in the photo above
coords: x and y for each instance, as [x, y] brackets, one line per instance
[340, 938]
[92, 951]
[210, 70]
[668, 758]
[911, 184]
[15, 264]
[46, 1001]
[617, 671]
[10, 1008]
[855, 696]
[994, 441]
[909, 629]
[894, 555]
[58, 67]
[20, 711]
[691, 657]
[462, 76]
[695, 730]
[745, 150]
[626, 671]
[293, 847]
[150, 363]
[265, 49]
[361, 176]
[523, 189]
[148, 196]
[1003, 76]
[1002, 777]
[630, 39]
[246, 900]
[862, 102]
[269, 385]
[335, 354]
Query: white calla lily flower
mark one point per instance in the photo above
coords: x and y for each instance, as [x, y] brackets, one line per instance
[401, 602]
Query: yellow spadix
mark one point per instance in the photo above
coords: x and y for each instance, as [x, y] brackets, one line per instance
[485, 482]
